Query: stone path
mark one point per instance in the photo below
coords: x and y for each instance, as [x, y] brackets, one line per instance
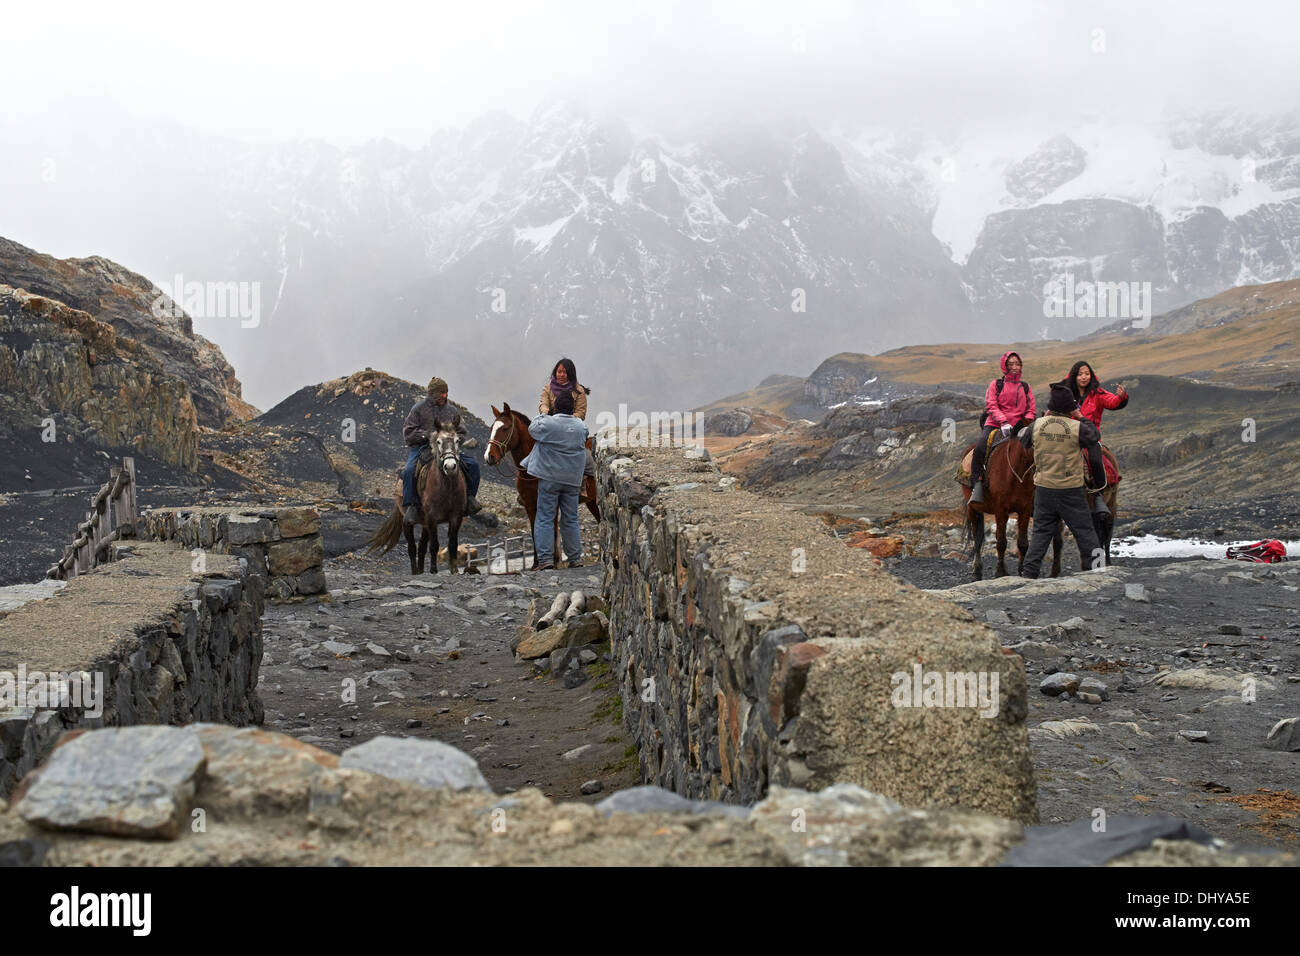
[430, 657]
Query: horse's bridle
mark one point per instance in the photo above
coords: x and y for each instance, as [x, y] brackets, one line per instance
[504, 446]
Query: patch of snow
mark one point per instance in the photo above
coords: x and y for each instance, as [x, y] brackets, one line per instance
[540, 237]
[1154, 546]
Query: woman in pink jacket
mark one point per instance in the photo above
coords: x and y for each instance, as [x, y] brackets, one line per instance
[1008, 401]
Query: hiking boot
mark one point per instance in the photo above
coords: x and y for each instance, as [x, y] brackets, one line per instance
[977, 492]
[575, 563]
[472, 507]
[545, 567]
[411, 515]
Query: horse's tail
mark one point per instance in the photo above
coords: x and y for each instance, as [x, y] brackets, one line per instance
[389, 533]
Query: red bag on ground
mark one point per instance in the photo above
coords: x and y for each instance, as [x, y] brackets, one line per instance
[1261, 552]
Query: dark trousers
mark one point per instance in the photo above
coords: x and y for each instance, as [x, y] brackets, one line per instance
[977, 456]
[1051, 507]
[409, 497]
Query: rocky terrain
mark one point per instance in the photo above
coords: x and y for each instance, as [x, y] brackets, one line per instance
[1190, 665]
[125, 301]
[70, 383]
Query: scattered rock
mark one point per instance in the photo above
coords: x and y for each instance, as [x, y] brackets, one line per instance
[1229, 629]
[576, 752]
[1071, 727]
[1285, 735]
[1136, 592]
[378, 650]
[1195, 736]
[650, 799]
[1057, 684]
[997, 616]
[578, 630]
[1091, 685]
[428, 763]
[592, 786]
[129, 781]
[1075, 629]
[1037, 651]
[388, 678]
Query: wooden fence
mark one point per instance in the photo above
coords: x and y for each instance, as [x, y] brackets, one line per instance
[111, 518]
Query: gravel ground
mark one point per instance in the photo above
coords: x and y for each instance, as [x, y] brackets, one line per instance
[1190, 742]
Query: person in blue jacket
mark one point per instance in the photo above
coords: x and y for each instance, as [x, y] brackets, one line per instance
[558, 459]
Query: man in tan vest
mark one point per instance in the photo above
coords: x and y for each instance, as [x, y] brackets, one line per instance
[1059, 492]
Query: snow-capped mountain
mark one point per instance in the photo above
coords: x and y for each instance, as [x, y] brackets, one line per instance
[1192, 205]
[670, 270]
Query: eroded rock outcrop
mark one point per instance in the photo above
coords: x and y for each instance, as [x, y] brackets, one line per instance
[124, 300]
[99, 387]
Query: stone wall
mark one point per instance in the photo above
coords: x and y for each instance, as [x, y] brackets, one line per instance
[282, 546]
[169, 645]
[755, 649]
[208, 795]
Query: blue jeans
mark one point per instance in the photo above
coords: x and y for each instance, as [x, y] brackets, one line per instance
[551, 494]
[409, 497]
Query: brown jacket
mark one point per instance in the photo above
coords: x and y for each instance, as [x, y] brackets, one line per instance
[546, 403]
[424, 418]
[1056, 440]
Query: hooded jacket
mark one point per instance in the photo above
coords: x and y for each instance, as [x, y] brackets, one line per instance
[1014, 402]
[1094, 399]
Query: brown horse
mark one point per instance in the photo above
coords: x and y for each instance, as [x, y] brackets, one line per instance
[1008, 470]
[1011, 490]
[510, 436]
[442, 498]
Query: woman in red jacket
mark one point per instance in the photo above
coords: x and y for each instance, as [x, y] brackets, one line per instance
[1092, 398]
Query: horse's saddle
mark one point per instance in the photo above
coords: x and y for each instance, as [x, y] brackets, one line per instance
[995, 438]
[1113, 476]
[422, 464]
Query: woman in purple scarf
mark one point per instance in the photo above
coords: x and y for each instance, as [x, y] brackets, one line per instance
[564, 378]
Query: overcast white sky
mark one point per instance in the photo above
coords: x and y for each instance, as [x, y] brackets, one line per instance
[347, 72]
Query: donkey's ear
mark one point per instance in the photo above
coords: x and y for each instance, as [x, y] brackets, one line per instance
[495, 413]
[506, 408]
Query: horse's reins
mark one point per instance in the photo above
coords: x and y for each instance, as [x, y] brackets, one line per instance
[1020, 478]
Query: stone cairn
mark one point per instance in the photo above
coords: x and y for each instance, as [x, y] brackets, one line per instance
[566, 637]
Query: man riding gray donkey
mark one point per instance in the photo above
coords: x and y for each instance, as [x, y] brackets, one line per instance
[1059, 480]
[430, 412]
